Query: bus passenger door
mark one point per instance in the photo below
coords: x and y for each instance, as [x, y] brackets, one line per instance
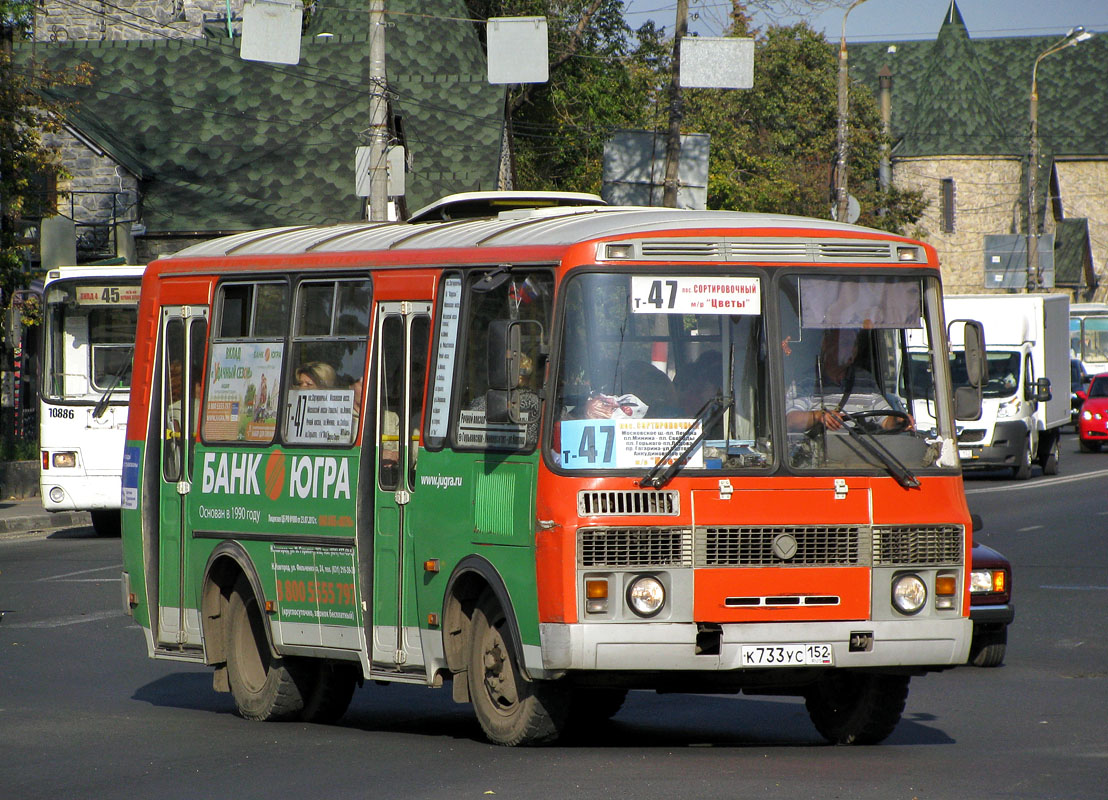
[184, 330]
[401, 341]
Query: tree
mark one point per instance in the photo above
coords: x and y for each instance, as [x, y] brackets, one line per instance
[773, 146]
[26, 112]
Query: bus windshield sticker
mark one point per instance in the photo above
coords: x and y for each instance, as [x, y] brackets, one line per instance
[439, 420]
[475, 431]
[132, 455]
[320, 416]
[242, 391]
[684, 294]
[622, 443]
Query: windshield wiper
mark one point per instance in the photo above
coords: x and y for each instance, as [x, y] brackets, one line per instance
[668, 464]
[904, 476]
[102, 403]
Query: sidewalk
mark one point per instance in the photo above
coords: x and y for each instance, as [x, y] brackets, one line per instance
[22, 516]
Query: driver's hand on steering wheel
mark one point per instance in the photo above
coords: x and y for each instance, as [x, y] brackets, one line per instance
[831, 419]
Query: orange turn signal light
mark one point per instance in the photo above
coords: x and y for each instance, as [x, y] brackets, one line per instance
[945, 585]
[596, 589]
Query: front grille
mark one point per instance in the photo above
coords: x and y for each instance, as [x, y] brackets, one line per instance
[772, 546]
[918, 545]
[815, 545]
[969, 435]
[628, 503]
[634, 547]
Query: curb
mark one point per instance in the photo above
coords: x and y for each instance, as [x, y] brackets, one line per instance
[13, 526]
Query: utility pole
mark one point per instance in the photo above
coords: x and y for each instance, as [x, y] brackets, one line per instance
[673, 138]
[842, 199]
[378, 114]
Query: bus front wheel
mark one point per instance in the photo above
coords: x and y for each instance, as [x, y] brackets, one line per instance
[265, 687]
[856, 708]
[512, 710]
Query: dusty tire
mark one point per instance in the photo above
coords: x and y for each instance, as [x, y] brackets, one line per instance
[1049, 460]
[511, 709]
[989, 649]
[106, 522]
[1022, 471]
[856, 708]
[332, 687]
[264, 687]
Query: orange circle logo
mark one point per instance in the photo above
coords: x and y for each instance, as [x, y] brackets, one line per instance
[274, 474]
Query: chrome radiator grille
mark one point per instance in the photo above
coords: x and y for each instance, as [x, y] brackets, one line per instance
[634, 547]
[917, 545]
[772, 545]
[762, 546]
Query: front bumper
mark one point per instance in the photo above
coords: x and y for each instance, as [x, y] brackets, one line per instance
[673, 646]
[1006, 449]
[1001, 614]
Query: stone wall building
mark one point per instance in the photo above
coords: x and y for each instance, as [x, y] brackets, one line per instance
[960, 127]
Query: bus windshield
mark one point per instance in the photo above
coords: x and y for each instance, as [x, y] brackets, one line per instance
[651, 363]
[90, 337]
[642, 357]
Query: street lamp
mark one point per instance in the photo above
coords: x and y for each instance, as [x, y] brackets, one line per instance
[841, 197]
[1034, 272]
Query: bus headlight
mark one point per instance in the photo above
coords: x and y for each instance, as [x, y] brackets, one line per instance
[646, 596]
[66, 459]
[909, 593]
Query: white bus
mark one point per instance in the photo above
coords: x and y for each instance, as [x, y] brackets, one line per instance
[88, 343]
[1089, 335]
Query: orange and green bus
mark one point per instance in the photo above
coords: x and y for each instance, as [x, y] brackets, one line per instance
[547, 456]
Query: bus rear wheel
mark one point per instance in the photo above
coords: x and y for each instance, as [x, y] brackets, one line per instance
[856, 708]
[512, 710]
[265, 687]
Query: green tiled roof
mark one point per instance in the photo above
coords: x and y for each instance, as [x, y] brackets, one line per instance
[227, 144]
[962, 96]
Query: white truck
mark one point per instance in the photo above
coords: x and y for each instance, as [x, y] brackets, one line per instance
[1026, 401]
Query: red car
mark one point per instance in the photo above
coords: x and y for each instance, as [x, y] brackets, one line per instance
[991, 608]
[1092, 423]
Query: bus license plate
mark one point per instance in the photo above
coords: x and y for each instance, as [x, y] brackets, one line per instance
[787, 655]
[965, 454]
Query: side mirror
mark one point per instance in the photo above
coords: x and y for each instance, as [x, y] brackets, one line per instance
[1082, 395]
[1042, 390]
[967, 399]
[976, 522]
[505, 365]
[504, 355]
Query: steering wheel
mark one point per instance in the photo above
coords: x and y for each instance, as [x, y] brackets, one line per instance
[866, 420]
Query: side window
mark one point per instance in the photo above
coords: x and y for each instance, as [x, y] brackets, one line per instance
[173, 390]
[390, 397]
[523, 295]
[327, 358]
[247, 355]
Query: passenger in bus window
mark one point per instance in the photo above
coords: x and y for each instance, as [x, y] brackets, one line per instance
[315, 375]
[840, 384]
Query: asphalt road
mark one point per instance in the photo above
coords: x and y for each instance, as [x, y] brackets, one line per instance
[84, 713]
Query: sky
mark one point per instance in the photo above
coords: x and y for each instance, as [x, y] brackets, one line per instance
[880, 20]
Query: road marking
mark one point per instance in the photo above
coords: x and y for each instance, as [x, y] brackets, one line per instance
[1029, 528]
[1077, 588]
[66, 575]
[1043, 483]
[61, 622]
